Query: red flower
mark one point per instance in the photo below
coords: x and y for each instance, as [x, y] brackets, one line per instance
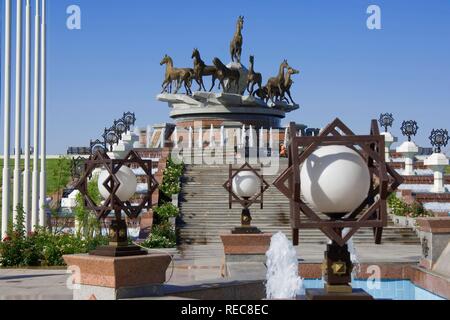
[7, 238]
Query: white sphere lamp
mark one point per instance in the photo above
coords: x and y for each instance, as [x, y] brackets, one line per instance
[335, 180]
[128, 183]
[246, 184]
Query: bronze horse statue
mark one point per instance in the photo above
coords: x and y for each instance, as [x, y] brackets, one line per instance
[275, 83]
[179, 75]
[237, 42]
[224, 73]
[286, 85]
[202, 70]
[253, 78]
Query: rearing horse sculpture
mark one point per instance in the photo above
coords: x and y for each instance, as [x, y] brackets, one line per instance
[237, 42]
[181, 76]
[202, 70]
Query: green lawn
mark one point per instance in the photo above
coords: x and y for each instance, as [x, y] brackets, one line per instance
[448, 170]
[56, 177]
[53, 171]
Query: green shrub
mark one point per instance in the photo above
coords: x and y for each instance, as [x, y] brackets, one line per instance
[88, 224]
[398, 206]
[166, 211]
[171, 178]
[42, 248]
[162, 236]
[418, 211]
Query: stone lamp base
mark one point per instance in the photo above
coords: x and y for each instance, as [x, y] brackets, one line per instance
[114, 278]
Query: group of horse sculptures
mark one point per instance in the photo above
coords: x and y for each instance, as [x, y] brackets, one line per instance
[277, 88]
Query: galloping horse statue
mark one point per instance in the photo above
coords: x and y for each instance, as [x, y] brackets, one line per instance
[202, 70]
[237, 42]
[180, 76]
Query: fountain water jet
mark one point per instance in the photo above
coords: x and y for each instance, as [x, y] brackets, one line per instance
[283, 281]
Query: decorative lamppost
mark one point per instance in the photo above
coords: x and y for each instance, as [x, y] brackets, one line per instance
[117, 184]
[438, 161]
[409, 149]
[386, 121]
[129, 118]
[439, 138]
[111, 137]
[246, 186]
[98, 146]
[346, 178]
[129, 269]
[121, 127]
[409, 128]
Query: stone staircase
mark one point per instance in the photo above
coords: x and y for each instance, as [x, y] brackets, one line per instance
[205, 213]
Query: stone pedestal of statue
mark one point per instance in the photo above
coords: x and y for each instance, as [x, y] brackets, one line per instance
[240, 90]
[228, 109]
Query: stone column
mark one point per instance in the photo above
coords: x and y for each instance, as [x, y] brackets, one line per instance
[175, 138]
[222, 136]
[389, 140]
[200, 138]
[409, 150]
[286, 133]
[190, 138]
[438, 162]
[212, 138]
[271, 139]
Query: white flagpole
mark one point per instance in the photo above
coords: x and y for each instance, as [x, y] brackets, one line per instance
[18, 113]
[43, 173]
[35, 181]
[7, 121]
[26, 172]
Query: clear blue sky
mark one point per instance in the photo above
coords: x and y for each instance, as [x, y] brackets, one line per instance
[347, 71]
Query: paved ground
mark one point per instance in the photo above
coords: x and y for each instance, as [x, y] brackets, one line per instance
[196, 263]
